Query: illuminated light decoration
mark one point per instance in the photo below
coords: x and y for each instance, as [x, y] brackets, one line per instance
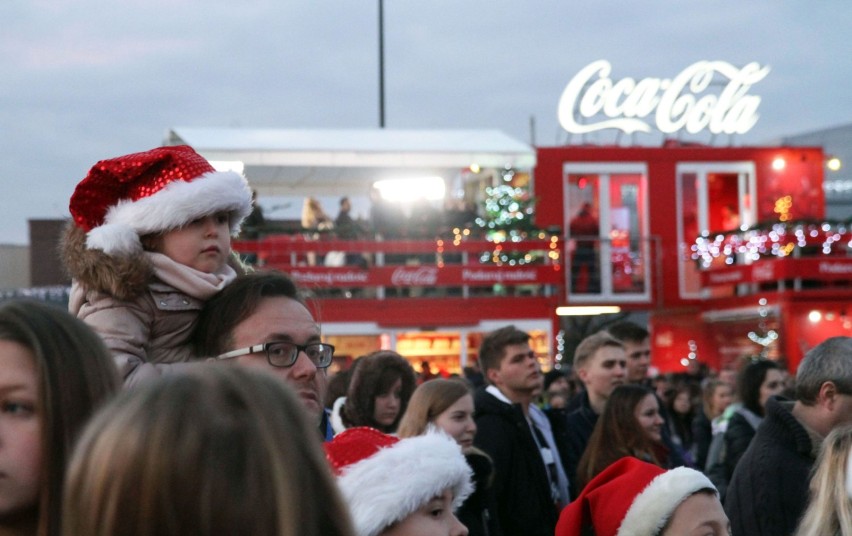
[833, 163]
[783, 207]
[475, 168]
[679, 103]
[587, 310]
[780, 239]
[684, 362]
[411, 189]
[814, 316]
[765, 340]
[779, 164]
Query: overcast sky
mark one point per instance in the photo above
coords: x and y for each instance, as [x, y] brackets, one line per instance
[85, 80]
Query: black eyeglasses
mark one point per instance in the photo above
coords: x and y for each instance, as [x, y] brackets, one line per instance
[285, 354]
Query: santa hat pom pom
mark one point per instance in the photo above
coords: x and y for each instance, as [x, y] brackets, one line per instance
[114, 238]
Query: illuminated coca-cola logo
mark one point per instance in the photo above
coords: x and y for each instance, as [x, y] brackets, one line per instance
[415, 276]
[683, 102]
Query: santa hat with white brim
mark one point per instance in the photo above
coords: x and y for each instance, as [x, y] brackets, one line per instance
[384, 479]
[124, 198]
[631, 498]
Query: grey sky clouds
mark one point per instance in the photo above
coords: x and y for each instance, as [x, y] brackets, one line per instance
[85, 80]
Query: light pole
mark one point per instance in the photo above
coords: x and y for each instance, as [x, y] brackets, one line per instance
[381, 65]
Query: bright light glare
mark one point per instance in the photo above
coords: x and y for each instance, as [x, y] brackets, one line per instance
[237, 166]
[412, 189]
[778, 164]
[833, 164]
[588, 310]
[814, 316]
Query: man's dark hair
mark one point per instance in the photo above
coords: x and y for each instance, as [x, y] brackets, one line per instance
[236, 302]
[491, 350]
[628, 332]
[343, 200]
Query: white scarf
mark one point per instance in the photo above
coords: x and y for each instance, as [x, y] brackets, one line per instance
[199, 285]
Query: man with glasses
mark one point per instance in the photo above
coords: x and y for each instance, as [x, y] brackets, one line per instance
[260, 320]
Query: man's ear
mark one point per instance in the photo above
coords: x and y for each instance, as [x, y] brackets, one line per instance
[828, 395]
[582, 374]
[493, 375]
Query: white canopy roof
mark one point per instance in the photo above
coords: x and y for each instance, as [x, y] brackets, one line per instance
[335, 162]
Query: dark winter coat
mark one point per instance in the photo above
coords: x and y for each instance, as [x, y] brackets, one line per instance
[581, 423]
[769, 490]
[521, 485]
[479, 511]
[738, 436]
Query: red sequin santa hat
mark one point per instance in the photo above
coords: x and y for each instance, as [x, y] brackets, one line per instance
[384, 479]
[630, 498]
[155, 191]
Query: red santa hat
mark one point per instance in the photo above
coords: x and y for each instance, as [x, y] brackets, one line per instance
[155, 191]
[384, 479]
[630, 498]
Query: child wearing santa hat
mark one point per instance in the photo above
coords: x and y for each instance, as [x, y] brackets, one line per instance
[149, 243]
[400, 487]
[636, 498]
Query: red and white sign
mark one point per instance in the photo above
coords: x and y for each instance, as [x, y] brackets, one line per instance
[812, 268]
[422, 276]
[684, 102]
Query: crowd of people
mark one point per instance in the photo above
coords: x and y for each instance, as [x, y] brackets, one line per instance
[181, 395]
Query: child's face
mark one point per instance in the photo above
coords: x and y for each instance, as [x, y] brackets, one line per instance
[203, 244]
[20, 430]
[435, 518]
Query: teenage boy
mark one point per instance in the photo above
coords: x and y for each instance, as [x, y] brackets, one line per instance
[529, 482]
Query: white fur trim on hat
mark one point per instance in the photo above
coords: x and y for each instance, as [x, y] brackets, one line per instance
[650, 510]
[397, 480]
[175, 205]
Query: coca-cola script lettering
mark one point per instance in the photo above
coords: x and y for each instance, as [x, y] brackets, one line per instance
[682, 102]
[415, 276]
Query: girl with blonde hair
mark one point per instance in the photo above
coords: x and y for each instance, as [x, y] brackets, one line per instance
[829, 512]
[215, 451]
[448, 405]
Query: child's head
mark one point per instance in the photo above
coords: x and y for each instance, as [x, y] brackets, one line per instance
[54, 372]
[218, 450]
[169, 199]
[400, 486]
[638, 498]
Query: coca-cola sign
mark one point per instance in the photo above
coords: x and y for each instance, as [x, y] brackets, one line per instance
[686, 102]
[424, 275]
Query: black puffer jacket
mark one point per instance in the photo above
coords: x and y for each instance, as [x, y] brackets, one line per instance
[521, 486]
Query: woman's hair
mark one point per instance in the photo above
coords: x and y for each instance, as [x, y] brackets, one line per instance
[617, 434]
[216, 450]
[374, 375]
[429, 400]
[830, 508]
[709, 393]
[681, 423]
[75, 376]
[749, 381]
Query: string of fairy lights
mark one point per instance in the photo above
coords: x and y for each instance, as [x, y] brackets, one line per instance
[780, 239]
